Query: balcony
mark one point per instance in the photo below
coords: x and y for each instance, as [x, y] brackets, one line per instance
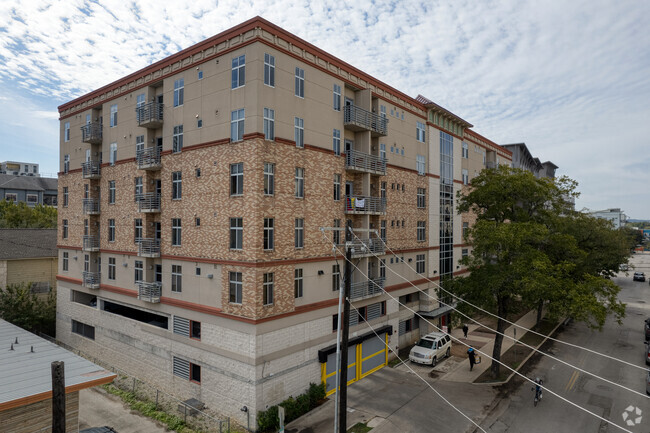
[90, 243]
[361, 205]
[366, 289]
[91, 280]
[490, 164]
[91, 170]
[92, 133]
[149, 292]
[149, 203]
[150, 115]
[91, 206]
[148, 159]
[358, 119]
[148, 247]
[366, 247]
[363, 162]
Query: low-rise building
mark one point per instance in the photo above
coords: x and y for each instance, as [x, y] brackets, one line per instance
[28, 256]
[19, 168]
[615, 215]
[29, 189]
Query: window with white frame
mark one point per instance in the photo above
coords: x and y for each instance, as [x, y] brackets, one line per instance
[65, 261]
[138, 189]
[237, 179]
[300, 83]
[299, 182]
[268, 235]
[465, 229]
[111, 268]
[111, 192]
[336, 234]
[336, 277]
[267, 287]
[464, 252]
[137, 229]
[112, 155]
[382, 111]
[269, 70]
[113, 119]
[138, 271]
[66, 132]
[382, 190]
[336, 141]
[465, 150]
[382, 150]
[337, 97]
[238, 71]
[177, 185]
[465, 176]
[299, 233]
[269, 178]
[236, 284]
[176, 232]
[111, 230]
[64, 229]
[139, 146]
[177, 278]
[419, 130]
[382, 230]
[421, 231]
[31, 198]
[179, 92]
[237, 125]
[177, 139]
[422, 192]
[297, 283]
[382, 268]
[337, 187]
[66, 163]
[419, 263]
[269, 124]
[236, 233]
[420, 164]
[299, 131]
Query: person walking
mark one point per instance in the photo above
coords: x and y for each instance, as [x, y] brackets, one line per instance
[465, 329]
[472, 357]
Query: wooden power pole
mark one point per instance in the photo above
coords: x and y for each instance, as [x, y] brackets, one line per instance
[345, 330]
[58, 397]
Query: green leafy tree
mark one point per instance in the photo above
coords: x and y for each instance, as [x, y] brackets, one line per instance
[19, 215]
[18, 305]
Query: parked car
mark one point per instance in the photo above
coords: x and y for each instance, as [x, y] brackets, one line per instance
[638, 276]
[623, 267]
[647, 384]
[431, 348]
[647, 329]
[647, 353]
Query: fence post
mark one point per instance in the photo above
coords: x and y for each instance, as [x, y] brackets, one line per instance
[156, 399]
[185, 406]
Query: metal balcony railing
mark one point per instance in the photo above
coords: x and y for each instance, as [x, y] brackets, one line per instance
[90, 243]
[91, 170]
[148, 247]
[366, 247]
[149, 292]
[491, 164]
[91, 280]
[357, 119]
[368, 288]
[149, 158]
[150, 115]
[91, 206]
[359, 161]
[364, 205]
[149, 202]
[92, 133]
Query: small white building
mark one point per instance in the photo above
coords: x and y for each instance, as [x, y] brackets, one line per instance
[19, 168]
[615, 215]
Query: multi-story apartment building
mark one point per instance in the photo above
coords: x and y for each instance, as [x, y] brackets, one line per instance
[193, 196]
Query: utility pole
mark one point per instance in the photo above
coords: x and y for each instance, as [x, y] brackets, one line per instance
[58, 397]
[345, 330]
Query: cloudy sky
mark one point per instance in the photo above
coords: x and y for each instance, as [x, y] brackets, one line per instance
[571, 79]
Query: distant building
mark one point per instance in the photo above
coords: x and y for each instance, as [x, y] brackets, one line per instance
[28, 255]
[28, 189]
[615, 215]
[19, 168]
[26, 381]
[522, 158]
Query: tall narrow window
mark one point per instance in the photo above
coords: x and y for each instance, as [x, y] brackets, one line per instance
[111, 230]
[300, 83]
[113, 115]
[111, 192]
[177, 278]
[65, 261]
[236, 233]
[137, 229]
[177, 185]
[177, 139]
[176, 232]
[419, 131]
[420, 164]
[138, 271]
[236, 287]
[179, 92]
[382, 190]
[421, 197]
[300, 182]
[66, 132]
[382, 150]
[336, 277]
[465, 229]
[238, 71]
[337, 97]
[139, 145]
[421, 231]
[64, 230]
[299, 131]
[336, 234]
[86, 227]
[237, 125]
[465, 176]
[86, 191]
[267, 286]
[269, 181]
[237, 178]
[268, 234]
[297, 283]
[337, 187]
[65, 196]
[419, 263]
[382, 268]
[140, 101]
[138, 189]
[299, 235]
[269, 124]
[336, 141]
[269, 70]
[465, 150]
[112, 155]
[111, 268]
[66, 163]
[382, 230]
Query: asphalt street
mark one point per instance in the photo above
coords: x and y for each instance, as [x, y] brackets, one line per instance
[516, 412]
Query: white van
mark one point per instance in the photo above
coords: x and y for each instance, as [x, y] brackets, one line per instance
[431, 348]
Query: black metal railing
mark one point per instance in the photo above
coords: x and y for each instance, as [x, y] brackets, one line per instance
[151, 113]
[365, 119]
[92, 133]
[149, 202]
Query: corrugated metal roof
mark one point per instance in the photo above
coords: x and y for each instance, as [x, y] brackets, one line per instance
[27, 243]
[27, 377]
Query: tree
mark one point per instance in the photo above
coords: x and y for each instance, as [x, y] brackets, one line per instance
[18, 305]
[529, 244]
[19, 215]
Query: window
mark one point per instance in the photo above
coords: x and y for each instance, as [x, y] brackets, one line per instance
[197, 271]
[464, 252]
[337, 187]
[111, 230]
[177, 139]
[199, 123]
[113, 115]
[236, 233]
[65, 229]
[465, 150]
[336, 141]
[186, 370]
[419, 131]
[83, 329]
[197, 172]
[177, 185]
[420, 164]
[138, 189]
[112, 153]
[237, 125]
[31, 198]
[300, 182]
[66, 132]
[269, 124]
[86, 228]
[195, 330]
[299, 132]
[382, 230]
[465, 177]
[336, 234]
[237, 178]
[238, 71]
[66, 163]
[137, 229]
[422, 192]
[382, 190]
[111, 192]
[465, 229]
[269, 70]
[382, 111]
[299, 236]
[300, 83]
[336, 278]
[111, 268]
[86, 262]
[199, 75]
[267, 287]
[382, 268]
[65, 261]
[269, 173]
[177, 278]
[382, 150]
[197, 222]
[421, 231]
[268, 234]
[179, 91]
[236, 287]
[297, 283]
[419, 263]
[138, 269]
[176, 232]
[86, 191]
[337, 97]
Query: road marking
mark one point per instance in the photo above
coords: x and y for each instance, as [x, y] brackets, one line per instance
[572, 380]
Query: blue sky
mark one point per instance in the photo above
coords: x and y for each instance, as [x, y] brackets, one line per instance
[571, 79]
